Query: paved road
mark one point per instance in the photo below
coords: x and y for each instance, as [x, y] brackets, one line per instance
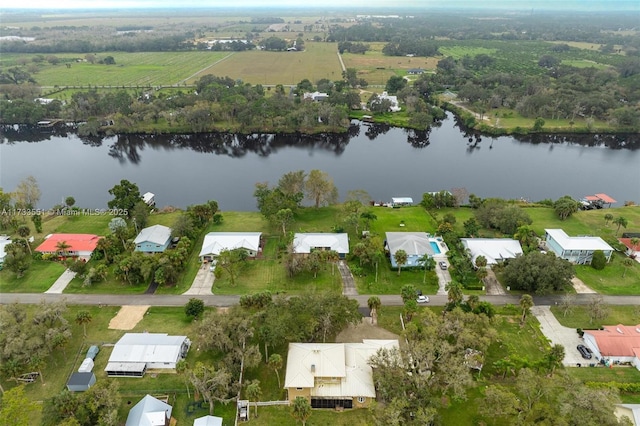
[219, 300]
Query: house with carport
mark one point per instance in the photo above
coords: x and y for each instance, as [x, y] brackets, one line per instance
[135, 353]
[78, 245]
[415, 244]
[216, 242]
[615, 343]
[578, 250]
[153, 239]
[333, 375]
[305, 243]
[495, 250]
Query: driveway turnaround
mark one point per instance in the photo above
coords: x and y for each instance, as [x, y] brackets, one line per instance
[558, 334]
[61, 283]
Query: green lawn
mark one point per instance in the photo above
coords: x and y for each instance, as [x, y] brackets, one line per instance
[614, 279]
[579, 317]
[37, 279]
[130, 69]
[281, 415]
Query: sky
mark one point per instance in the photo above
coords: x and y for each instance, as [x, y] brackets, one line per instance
[610, 5]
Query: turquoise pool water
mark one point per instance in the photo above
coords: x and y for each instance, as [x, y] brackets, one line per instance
[435, 247]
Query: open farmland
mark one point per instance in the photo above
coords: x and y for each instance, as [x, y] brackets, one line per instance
[319, 60]
[130, 69]
[377, 68]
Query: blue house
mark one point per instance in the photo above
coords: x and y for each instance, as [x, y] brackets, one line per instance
[154, 239]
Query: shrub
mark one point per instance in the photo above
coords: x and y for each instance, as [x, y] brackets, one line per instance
[599, 260]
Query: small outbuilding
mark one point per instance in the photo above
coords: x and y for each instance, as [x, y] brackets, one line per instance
[93, 352]
[80, 382]
[86, 366]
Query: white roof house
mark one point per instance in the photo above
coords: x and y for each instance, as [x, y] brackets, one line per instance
[153, 239]
[575, 249]
[315, 96]
[134, 353]
[215, 242]
[208, 421]
[401, 201]
[631, 411]
[304, 243]
[334, 370]
[495, 250]
[415, 244]
[4, 241]
[149, 411]
[392, 99]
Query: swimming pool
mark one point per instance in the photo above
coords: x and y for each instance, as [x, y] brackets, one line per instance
[435, 247]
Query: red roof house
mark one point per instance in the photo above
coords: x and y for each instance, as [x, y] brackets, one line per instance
[616, 343]
[80, 245]
[632, 249]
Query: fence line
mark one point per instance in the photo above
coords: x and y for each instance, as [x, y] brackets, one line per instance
[267, 403]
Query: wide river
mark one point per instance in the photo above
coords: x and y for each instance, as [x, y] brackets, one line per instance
[386, 162]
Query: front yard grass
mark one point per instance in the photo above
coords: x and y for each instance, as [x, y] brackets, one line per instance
[37, 279]
[579, 317]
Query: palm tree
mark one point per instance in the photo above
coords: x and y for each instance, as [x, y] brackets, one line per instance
[62, 247]
[454, 293]
[254, 392]
[620, 221]
[401, 259]
[374, 304]
[83, 317]
[24, 231]
[526, 302]
[607, 218]
[301, 409]
[428, 264]
[275, 362]
[634, 243]
[555, 357]
[627, 263]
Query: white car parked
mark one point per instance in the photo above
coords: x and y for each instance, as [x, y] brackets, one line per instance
[422, 299]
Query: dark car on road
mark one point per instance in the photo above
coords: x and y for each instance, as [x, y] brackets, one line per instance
[584, 351]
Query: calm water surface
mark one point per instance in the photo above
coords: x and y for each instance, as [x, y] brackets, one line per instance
[386, 162]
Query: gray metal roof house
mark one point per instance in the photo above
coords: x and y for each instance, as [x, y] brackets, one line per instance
[134, 353]
[153, 239]
[149, 411]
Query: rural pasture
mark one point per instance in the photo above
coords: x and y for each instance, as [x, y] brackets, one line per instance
[319, 60]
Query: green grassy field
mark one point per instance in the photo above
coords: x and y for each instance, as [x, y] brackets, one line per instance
[130, 69]
[579, 317]
[319, 60]
[37, 279]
